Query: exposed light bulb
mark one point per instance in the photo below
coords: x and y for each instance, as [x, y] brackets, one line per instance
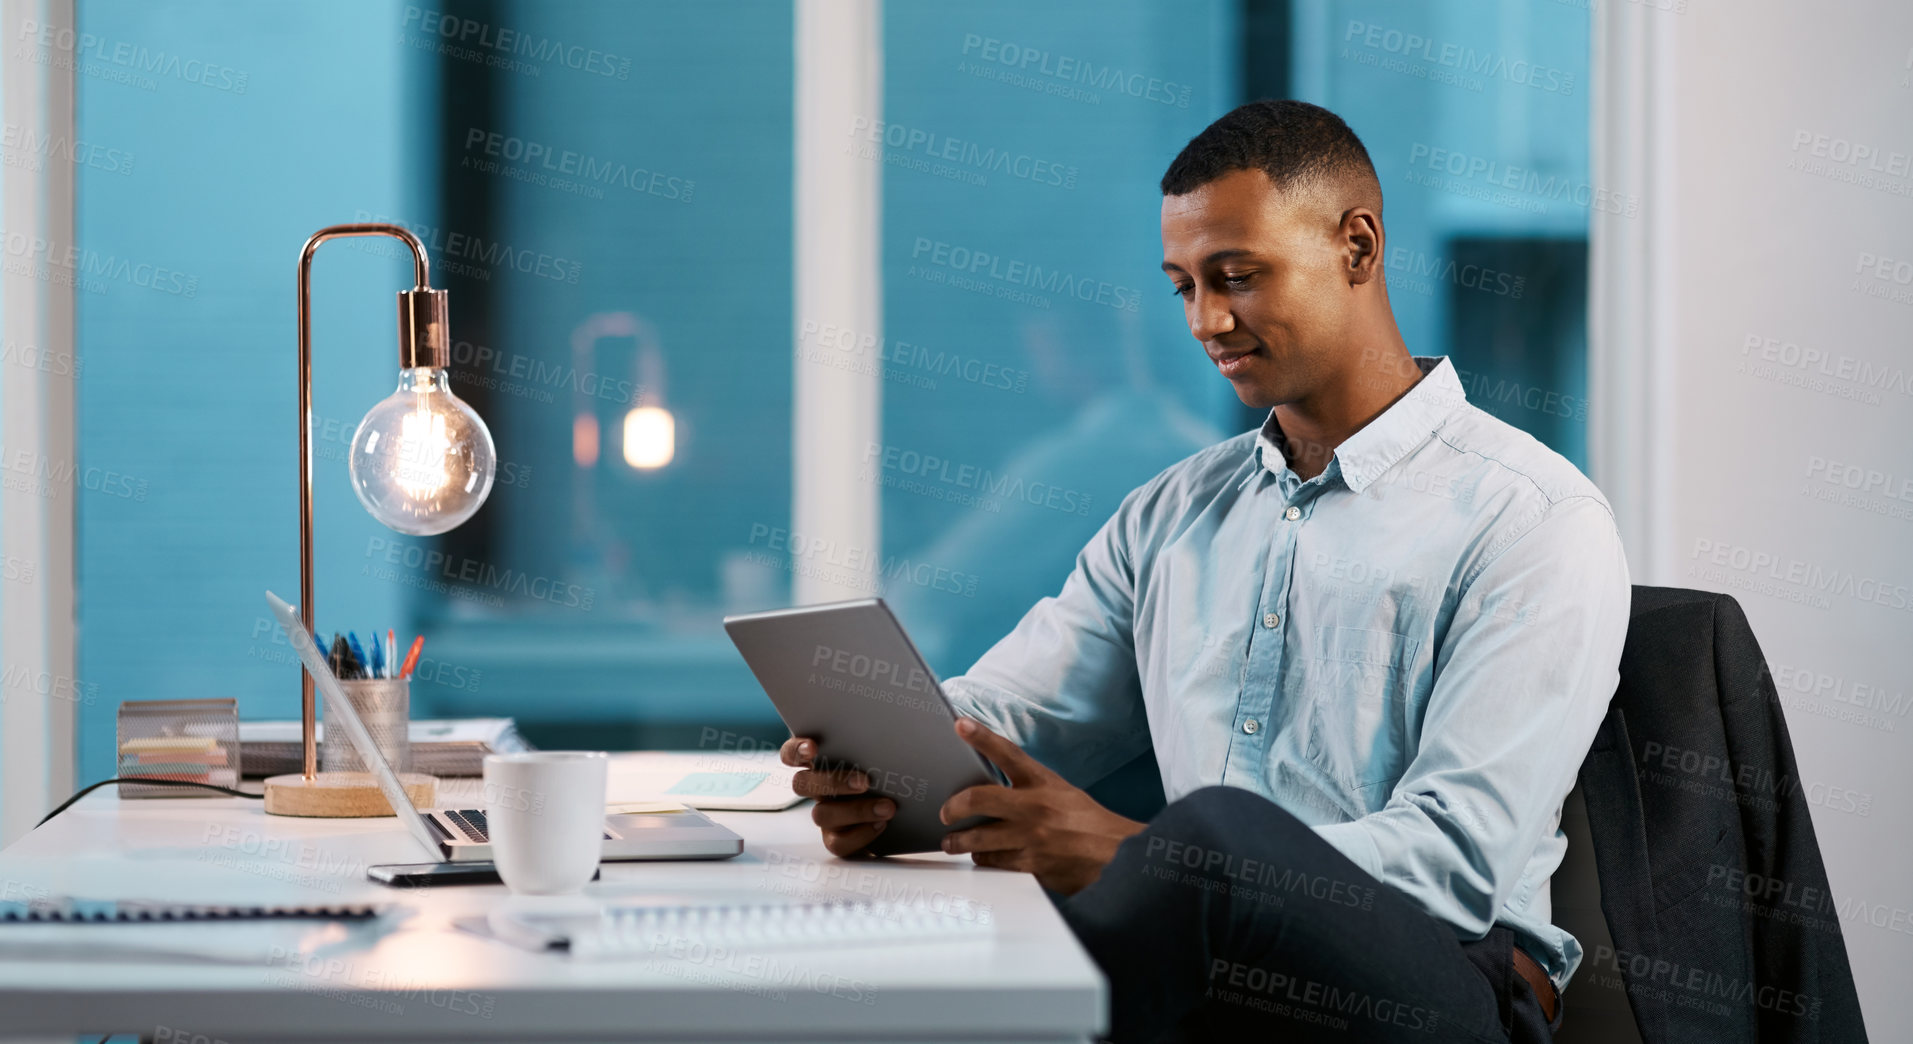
[422, 460]
[650, 437]
[420, 467]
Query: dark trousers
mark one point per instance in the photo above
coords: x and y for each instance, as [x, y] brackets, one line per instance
[1229, 920]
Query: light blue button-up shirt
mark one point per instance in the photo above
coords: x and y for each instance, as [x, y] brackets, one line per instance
[1411, 651]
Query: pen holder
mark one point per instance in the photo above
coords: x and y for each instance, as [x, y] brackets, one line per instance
[385, 705]
[191, 740]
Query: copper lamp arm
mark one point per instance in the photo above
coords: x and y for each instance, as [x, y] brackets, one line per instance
[421, 267]
[424, 340]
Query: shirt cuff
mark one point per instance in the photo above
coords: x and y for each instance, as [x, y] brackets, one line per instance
[961, 696]
[1354, 841]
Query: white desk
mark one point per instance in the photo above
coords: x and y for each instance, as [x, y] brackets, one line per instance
[415, 976]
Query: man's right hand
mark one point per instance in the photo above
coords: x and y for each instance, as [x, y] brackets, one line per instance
[850, 821]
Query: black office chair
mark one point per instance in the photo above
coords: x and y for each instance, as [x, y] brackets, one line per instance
[1690, 787]
[1596, 998]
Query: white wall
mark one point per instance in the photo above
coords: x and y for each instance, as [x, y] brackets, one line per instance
[37, 680]
[1746, 352]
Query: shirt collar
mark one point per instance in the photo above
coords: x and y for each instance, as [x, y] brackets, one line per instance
[1366, 455]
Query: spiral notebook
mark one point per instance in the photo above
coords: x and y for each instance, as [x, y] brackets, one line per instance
[66, 909]
[662, 931]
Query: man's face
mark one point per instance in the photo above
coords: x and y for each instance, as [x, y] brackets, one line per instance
[1264, 281]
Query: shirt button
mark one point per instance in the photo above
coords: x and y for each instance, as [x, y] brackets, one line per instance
[1250, 726]
[1271, 620]
[1292, 513]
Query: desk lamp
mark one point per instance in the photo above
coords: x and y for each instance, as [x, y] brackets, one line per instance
[422, 462]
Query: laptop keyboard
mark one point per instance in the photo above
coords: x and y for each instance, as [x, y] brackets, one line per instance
[471, 824]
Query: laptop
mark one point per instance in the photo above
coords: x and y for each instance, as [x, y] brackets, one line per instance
[461, 835]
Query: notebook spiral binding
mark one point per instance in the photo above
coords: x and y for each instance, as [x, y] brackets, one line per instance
[69, 910]
[669, 931]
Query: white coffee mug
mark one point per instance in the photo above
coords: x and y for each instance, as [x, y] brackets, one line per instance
[545, 813]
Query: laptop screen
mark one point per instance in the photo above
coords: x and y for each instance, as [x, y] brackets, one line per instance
[339, 712]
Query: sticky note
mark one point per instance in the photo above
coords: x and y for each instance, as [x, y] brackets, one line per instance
[719, 784]
[626, 808]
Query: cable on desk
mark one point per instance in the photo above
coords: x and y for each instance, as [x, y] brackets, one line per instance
[68, 803]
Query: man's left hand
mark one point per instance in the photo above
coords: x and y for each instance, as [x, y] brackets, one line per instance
[1044, 826]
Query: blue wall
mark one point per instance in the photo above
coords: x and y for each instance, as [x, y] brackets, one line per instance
[1035, 134]
[1475, 113]
[189, 389]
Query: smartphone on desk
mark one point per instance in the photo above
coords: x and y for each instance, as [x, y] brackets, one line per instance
[426, 875]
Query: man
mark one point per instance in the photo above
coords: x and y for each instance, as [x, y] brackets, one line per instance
[1370, 644]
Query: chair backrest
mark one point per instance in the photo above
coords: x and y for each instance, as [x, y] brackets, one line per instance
[1597, 1008]
[1691, 785]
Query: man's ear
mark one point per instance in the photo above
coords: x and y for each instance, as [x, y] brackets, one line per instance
[1361, 235]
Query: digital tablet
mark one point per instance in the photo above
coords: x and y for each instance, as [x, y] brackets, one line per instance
[847, 676]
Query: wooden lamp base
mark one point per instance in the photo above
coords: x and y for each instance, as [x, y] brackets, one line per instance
[342, 795]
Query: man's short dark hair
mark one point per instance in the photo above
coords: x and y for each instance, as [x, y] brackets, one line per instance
[1296, 144]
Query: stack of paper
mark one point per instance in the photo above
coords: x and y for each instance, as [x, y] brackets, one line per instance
[195, 759]
[447, 747]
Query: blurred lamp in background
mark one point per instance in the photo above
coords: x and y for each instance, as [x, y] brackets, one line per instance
[422, 462]
[650, 432]
[650, 437]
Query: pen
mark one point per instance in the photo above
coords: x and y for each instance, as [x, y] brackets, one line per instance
[411, 658]
[378, 657]
[391, 655]
[358, 652]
